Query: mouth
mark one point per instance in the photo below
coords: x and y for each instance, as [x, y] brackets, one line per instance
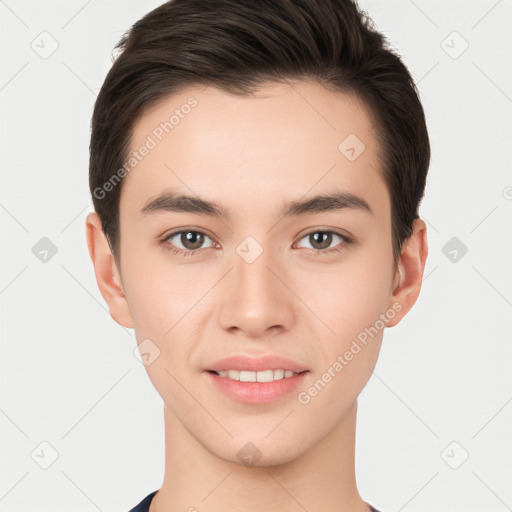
[243, 363]
[257, 376]
[257, 387]
[256, 380]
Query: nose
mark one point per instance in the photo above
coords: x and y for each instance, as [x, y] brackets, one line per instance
[254, 297]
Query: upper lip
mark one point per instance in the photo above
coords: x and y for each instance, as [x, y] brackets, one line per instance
[255, 364]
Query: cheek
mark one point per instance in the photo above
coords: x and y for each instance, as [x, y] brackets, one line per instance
[346, 297]
[350, 335]
[349, 299]
[162, 296]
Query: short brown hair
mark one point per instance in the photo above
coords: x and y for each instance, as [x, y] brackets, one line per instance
[238, 45]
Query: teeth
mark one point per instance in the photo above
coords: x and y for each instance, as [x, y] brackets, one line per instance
[261, 376]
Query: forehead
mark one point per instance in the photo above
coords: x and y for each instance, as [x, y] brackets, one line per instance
[279, 144]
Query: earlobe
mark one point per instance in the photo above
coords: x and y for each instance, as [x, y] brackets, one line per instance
[409, 274]
[106, 271]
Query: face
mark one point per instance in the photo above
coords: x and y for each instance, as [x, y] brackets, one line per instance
[310, 283]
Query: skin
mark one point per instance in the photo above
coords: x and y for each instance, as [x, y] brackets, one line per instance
[251, 154]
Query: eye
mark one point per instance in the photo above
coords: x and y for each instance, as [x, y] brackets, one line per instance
[191, 240]
[322, 239]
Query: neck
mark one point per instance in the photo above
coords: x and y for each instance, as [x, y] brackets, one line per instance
[323, 478]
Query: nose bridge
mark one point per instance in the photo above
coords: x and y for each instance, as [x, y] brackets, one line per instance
[255, 299]
[252, 267]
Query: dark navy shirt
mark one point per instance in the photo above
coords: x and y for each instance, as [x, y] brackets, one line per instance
[143, 506]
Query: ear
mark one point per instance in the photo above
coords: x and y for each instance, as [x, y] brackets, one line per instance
[108, 277]
[409, 274]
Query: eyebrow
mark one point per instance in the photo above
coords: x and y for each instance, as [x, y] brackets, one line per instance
[171, 201]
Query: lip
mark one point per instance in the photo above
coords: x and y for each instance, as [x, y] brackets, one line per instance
[256, 364]
[256, 392]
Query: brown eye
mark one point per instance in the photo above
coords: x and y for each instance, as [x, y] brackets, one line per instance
[191, 239]
[321, 240]
[186, 241]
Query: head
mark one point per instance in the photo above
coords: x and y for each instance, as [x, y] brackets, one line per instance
[253, 106]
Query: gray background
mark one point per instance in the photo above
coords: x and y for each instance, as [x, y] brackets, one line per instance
[442, 389]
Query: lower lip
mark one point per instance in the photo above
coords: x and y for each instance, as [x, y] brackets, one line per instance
[257, 392]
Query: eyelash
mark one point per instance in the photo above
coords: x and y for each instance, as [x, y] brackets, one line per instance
[315, 252]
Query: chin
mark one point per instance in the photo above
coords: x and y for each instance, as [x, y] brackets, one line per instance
[259, 453]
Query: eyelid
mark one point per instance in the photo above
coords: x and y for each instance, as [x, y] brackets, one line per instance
[186, 229]
[167, 236]
[345, 236]
[347, 240]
